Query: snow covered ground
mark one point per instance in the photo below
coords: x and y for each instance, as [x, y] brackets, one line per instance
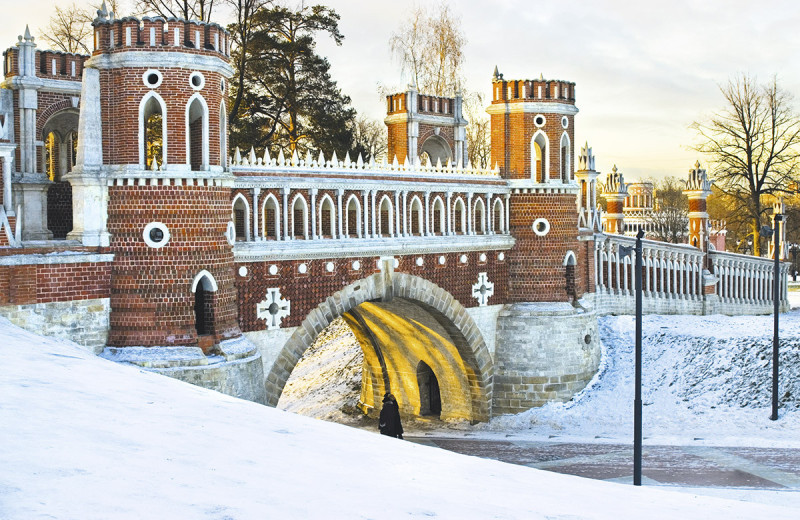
[84, 438]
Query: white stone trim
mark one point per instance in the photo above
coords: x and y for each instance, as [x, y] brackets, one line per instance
[570, 254]
[293, 233]
[230, 232]
[199, 277]
[483, 289]
[146, 77]
[545, 157]
[146, 235]
[197, 74]
[274, 199]
[532, 107]
[240, 197]
[167, 60]
[535, 226]
[204, 162]
[282, 308]
[66, 257]
[568, 145]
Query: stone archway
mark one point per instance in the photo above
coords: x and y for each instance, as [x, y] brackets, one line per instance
[437, 149]
[475, 367]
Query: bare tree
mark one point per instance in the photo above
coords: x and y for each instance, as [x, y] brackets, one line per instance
[479, 131]
[185, 9]
[752, 144]
[430, 47]
[369, 137]
[670, 217]
[70, 29]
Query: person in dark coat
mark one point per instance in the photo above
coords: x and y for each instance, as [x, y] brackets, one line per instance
[389, 423]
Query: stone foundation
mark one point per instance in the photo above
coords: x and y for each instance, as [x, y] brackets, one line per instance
[545, 352]
[237, 370]
[83, 321]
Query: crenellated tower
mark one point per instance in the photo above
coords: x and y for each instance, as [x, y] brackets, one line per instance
[586, 175]
[698, 188]
[615, 191]
[420, 125]
[532, 125]
[151, 180]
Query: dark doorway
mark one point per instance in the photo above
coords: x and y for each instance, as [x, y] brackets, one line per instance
[203, 311]
[430, 401]
[59, 209]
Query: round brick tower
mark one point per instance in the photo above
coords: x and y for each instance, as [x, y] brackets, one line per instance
[547, 347]
[153, 140]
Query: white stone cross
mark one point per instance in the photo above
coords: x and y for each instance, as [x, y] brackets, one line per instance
[273, 309]
[482, 290]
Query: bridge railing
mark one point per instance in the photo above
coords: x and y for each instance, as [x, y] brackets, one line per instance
[677, 279]
[319, 206]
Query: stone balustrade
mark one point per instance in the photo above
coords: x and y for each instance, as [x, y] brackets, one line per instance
[747, 281]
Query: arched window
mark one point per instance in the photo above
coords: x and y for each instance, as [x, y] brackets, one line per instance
[385, 214]
[479, 216]
[566, 173]
[241, 217]
[438, 216]
[197, 133]
[539, 154]
[416, 216]
[353, 217]
[437, 150]
[569, 273]
[327, 217]
[223, 136]
[152, 131]
[459, 217]
[271, 228]
[430, 400]
[498, 216]
[204, 288]
[299, 218]
[51, 149]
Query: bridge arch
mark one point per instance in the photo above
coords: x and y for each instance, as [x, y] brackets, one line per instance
[468, 378]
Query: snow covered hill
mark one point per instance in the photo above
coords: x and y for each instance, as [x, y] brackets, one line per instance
[84, 438]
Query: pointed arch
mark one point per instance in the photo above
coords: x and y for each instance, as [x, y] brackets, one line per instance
[151, 105]
[205, 280]
[540, 157]
[459, 216]
[197, 132]
[299, 215]
[498, 216]
[223, 135]
[270, 218]
[479, 216]
[204, 287]
[385, 217]
[241, 217]
[417, 219]
[326, 217]
[353, 217]
[438, 214]
[564, 155]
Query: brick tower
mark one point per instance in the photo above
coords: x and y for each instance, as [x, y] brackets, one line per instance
[421, 125]
[532, 125]
[152, 176]
[615, 192]
[698, 188]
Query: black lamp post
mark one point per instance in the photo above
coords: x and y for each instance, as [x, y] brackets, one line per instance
[776, 300]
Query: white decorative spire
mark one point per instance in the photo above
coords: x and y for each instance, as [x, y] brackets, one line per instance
[586, 160]
[698, 180]
[615, 182]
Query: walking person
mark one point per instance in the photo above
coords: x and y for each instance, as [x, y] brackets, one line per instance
[389, 423]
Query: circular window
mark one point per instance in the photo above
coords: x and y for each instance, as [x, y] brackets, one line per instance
[302, 268]
[329, 267]
[564, 122]
[442, 260]
[463, 259]
[197, 81]
[152, 78]
[501, 256]
[273, 269]
[155, 235]
[483, 257]
[420, 261]
[230, 233]
[356, 265]
[541, 226]
[243, 271]
[587, 339]
[539, 120]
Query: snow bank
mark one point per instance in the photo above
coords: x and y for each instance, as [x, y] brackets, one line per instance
[85, 438]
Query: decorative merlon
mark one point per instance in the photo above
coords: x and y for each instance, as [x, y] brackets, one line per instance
[615, 183]
[586, 160]
[698, 180]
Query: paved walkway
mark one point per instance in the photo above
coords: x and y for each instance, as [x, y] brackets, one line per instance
[685, 466]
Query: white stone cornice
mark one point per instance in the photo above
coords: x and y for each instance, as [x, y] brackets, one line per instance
[362, 185]
[529, 186]
[532, 107]
[151, 59]
[65, 257]
[430, 119]
[280, 250]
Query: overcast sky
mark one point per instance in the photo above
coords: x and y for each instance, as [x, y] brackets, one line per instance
[644, 70]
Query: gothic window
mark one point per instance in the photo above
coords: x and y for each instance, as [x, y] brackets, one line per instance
[241, 214]
[459, 217]
[197, 133]
[299, 218]
[327, 218]
[416, 217]
[353, 217]
[438, 217]
[152, 131]
[385, 217]
[271, 218]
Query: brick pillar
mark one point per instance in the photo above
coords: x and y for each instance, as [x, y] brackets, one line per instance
[698, 188]
[614, 192]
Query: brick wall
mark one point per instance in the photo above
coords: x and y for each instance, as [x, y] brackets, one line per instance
[306, 291]
[513, 152]
[536, 263]
[152, 302]
[29, 284]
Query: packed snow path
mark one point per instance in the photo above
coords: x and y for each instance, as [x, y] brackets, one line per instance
[84, 438]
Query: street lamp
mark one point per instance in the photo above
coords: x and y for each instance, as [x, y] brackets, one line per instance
[774, 232]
